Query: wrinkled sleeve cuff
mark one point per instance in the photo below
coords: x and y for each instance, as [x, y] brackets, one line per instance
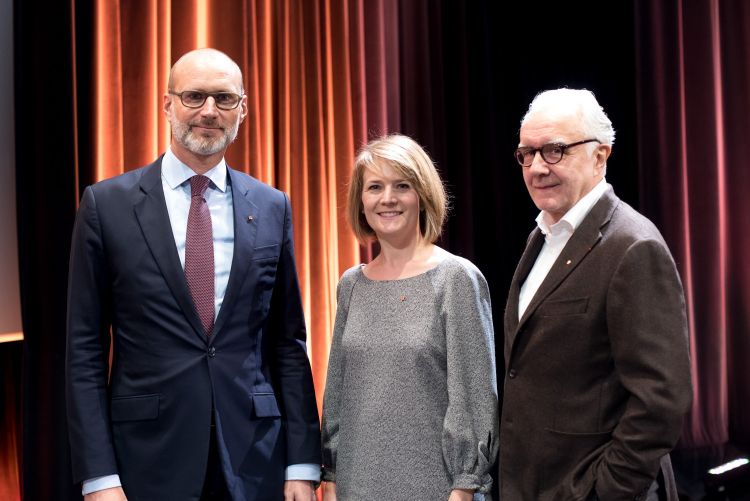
[471, 481]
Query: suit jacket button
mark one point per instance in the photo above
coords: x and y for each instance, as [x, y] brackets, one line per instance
[512, 373]
[212, 352]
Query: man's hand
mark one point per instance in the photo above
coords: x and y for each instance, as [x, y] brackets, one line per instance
[299, 490]
[329, 491]
[459, 495]
[111, 494]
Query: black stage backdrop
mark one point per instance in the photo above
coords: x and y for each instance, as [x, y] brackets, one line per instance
[45, 193]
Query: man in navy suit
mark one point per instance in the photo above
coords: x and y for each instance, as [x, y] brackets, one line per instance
[209, 395]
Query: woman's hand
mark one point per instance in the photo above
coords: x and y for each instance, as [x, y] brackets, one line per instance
[458, 495]
[329, 491]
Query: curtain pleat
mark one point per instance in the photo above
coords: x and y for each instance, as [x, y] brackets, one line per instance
[734, 40]
[10, 488]
[108, 90]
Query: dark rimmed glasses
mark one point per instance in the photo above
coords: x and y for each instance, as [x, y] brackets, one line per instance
[551, 153]
[196, 98]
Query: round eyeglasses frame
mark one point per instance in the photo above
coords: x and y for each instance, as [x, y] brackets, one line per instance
[552, 153]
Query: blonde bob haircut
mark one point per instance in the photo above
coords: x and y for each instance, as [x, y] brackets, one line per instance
[405, 156]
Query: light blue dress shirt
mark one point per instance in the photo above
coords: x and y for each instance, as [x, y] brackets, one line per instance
[175, 177]
[174, 181]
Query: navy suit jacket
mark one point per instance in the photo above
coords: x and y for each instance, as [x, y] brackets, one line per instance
[149, 418]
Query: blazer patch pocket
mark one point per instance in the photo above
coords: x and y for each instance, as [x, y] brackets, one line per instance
[135, 408]
[264, 405]
[564, 307]
[265, 252]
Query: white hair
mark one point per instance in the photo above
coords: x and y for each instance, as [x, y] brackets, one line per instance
[578, 103]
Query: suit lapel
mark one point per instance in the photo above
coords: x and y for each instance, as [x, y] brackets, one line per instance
[151, 212]
[584, 238]
[245, 230]
[528, 258]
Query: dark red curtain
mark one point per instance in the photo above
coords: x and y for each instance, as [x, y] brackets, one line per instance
[693, 84]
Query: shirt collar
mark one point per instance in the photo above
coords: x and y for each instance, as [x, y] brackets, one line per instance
[576, 214]
[175, 172]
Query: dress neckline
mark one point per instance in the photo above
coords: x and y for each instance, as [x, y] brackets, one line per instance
[394, 280]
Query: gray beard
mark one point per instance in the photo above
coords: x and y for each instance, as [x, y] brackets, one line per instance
[205, 146]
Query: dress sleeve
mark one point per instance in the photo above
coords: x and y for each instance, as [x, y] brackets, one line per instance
[334, 380]
[470, 427]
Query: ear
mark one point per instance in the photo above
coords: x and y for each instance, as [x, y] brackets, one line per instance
[601, 154]
[243, 108]
[167, 105]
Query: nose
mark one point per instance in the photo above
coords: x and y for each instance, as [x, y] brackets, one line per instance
[388, 197]
[538, 165]
[209, 107]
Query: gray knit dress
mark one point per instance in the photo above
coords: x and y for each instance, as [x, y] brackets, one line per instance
[410, 409]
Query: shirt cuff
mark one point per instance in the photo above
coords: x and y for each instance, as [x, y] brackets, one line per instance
[100, 483]
[304, 471]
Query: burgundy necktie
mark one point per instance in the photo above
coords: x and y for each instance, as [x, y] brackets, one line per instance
[199, 253]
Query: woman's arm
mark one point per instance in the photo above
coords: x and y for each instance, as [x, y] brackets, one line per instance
[470, 427]
[334, 382]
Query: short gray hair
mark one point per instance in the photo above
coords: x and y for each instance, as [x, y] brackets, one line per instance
[579, 103]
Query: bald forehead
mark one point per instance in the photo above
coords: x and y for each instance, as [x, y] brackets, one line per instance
[203, 66]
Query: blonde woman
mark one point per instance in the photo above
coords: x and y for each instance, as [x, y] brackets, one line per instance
[410, 408]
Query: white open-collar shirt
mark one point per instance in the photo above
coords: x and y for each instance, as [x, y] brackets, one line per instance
[556, 236]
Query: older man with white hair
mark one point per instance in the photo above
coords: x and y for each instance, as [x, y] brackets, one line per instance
[596, 342]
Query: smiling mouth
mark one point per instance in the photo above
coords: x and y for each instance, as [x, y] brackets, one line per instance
[389, 213]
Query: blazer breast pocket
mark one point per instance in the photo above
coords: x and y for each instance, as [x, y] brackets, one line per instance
[561, 307]
[135, 408]
[265, 252]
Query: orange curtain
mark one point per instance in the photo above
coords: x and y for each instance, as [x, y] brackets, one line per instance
[310, 95]
[10, 485]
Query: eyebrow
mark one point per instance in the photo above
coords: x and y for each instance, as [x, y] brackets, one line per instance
[206, 91]
[551, 141]
[379, 179]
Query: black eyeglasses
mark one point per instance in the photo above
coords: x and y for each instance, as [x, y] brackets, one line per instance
[551, 153]
[196, 99]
